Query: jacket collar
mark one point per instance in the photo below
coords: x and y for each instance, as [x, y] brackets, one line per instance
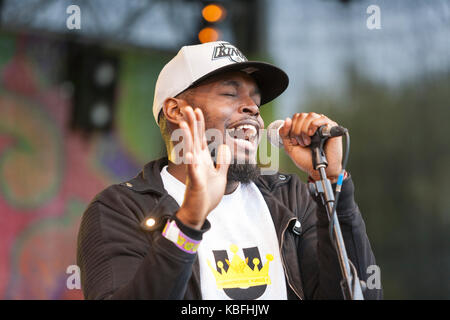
[149, 179]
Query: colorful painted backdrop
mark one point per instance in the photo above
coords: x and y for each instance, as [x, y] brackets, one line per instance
[48, 173]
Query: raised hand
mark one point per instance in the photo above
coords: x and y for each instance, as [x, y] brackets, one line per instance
[205, 182]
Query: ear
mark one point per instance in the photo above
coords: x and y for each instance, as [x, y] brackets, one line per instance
[172, 109]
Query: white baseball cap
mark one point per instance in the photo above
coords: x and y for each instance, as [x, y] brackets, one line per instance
[195, 63]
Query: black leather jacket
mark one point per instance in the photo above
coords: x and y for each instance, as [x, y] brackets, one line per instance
[120, 259]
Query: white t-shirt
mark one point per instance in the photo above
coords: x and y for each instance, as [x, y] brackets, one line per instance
[239, 256]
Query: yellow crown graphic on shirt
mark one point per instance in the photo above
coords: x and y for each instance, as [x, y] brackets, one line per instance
[239, 274]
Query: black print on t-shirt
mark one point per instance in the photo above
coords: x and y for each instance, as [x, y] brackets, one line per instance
[252, 255]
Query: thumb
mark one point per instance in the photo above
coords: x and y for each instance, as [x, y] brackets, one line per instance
[223, 159]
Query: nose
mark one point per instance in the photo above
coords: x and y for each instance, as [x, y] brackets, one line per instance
[250, 109]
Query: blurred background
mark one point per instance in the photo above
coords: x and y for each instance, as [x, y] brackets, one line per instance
[76, 94]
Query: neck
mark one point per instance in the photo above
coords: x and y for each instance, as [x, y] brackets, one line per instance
[231, 186]
[179, 172]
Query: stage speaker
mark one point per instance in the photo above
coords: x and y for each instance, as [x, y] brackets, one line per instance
[92, 73]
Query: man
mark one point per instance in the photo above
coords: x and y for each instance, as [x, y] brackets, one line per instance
[204, 223]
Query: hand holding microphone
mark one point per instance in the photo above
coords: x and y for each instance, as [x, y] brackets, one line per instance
[295, 136]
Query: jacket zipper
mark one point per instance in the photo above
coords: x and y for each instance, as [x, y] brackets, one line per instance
[282, 259]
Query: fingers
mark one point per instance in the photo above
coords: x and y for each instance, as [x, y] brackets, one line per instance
[307, 128]
[191, 149]
[189, 129]
[196, 123]
[296, 131]
[323, 120]
[191, 169]
[188, 142]
[286, 128]
[223, 159]
[303, 126]
[192, 122]
[201, 128]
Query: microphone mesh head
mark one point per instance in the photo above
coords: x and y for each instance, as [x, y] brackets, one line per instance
[273, 133]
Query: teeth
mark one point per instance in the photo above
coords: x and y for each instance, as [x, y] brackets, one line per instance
[249, 134]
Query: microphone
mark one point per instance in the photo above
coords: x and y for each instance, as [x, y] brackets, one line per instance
[273, 132]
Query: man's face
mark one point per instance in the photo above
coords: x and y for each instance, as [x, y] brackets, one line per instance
[230, 103]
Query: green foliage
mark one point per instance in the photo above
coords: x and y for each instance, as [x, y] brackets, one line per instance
[136, 125]
[7, 45]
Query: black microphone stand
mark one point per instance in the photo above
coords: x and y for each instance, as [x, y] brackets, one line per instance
[350, 284]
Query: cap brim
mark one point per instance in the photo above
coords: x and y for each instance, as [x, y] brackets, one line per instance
[271, 80]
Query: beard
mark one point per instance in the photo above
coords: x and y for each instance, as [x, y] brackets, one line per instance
[240, 172]
[244, 173]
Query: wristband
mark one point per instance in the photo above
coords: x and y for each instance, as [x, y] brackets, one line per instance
[341, 177]
[340, 180]
[181, 240]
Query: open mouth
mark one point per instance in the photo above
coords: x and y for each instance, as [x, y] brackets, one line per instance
[245, 135]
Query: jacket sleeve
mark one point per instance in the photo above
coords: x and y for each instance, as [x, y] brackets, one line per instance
[119, 260]
[318, 258]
